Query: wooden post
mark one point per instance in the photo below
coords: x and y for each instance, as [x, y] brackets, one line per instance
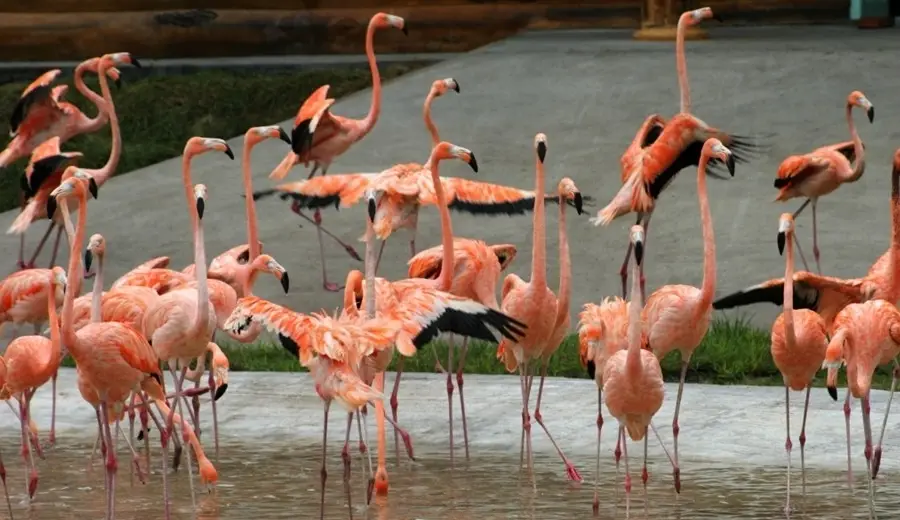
[659, 19]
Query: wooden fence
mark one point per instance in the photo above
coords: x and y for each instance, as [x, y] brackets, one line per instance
[74, 29]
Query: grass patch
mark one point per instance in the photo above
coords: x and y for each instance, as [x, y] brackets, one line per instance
[733, 352]
[159, 113]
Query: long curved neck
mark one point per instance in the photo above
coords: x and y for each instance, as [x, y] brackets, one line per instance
[681, 63]
[249, 203]
[55, 339]
[74, 273]
[708, 289]
[200, 320]
[97, 294]
[894, 258]
[445, 279]
[115, 152]
[538, 240]
[429, 123]
[789, 335]
[93, 123]
[369, 304]
[565, 266]
[375, 108]
[247, 275]
[633, 358]
[859, 167]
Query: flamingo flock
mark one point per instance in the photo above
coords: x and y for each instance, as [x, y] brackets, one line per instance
[155, 316]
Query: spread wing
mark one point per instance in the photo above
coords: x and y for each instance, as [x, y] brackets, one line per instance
[36, 107]
[313, 121]
[796, 168]
[482, 198]
[646, 135]
[338, 190]
[427, 264]
[809, 290]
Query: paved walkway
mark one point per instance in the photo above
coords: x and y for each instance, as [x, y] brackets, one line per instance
[588, 91]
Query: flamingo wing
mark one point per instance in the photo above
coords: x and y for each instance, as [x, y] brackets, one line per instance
[46, 168]
[796, 168]
[314, 116]
[342, 190]
[846, 149]
[647, 134]
[36, 108]
[135, 349]
[427, 264]
[482, 198]
[809, 289]
[293, 328]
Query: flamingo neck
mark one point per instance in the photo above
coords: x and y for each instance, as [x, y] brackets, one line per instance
[538, 240]
[249, 203]
[708, 289]
[75, 273]
[97, 293]
[369, 307]
[429, 123]
[894, 251]
[375, 108]
[200, 267]
[633, 365]
[55, 339]
[445, 279]
[115, 152]
[565, 266]
[681, 62]
[247, 274]
[790, 337]
[91, 124]
[859, 167]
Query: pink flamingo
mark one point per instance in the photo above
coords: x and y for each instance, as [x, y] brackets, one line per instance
[632, 379]
[676, 317]
[30, 361]
[320, 136]
[798, 347]
[825, 169]
[41, 114]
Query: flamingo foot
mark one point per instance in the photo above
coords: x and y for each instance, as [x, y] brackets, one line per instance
[32, 484]
[876, 462]
[572, 473]
[176, 457]
[677, 474]
[370, 488]
[381, 482]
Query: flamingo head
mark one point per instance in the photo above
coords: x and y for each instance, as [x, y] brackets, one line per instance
[637, 240]
[266, 263]
[857, 98]
[703, 13]
[96, 247]
[118, 59]
[200, 196]
[441, 86]
[785, 226]
[260, 133]
[714, 149]
[384, 21]
[201, 145]
[445, 150]
[569, 191]
[540, 146]
[834, 359]
[58, 277]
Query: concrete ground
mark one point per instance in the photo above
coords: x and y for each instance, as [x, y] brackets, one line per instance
[588, 91]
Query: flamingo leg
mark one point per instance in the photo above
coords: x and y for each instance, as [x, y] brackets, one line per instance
[571, 472]
[345, 456]
[623, 272]
[803, 443]
[676, 471]
[847, 427]
[52, 437]
[450, 348]
[20, 263]
[111, 464]
[212, 401]
[395, 404]
[627, 474]
[31, 478]
[362, 431]
[5, 488]
[135, 458]
[867, 428]
[407, 440]
[97, 442]
[59, 233]
[876, 462]
[526, 391]
[164, 442]
[645, 476]
[528, 452]
[459, 385]
[380, 485]
[40, 246]
[596, 506]
[787, 446]
[185, 440]
[618, 453]
[816, 239]
[324, 472]
[646, 237]
[131, 414]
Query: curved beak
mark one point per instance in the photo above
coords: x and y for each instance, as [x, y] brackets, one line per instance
[717, 18]
[405, 29]
[831, 383]
[372, 209]
[579, 203]
[92, 187]
[729, 163]
[542, 151]
[88, 259]
[639, 251]
[870, 112]
[285, 282]
[118, 83]
[456, 86]
[473, 163]
[781, 240]
[220, 390]
[201, 205]
[134, 61]
[228, 152]
[283, 135]
[51, 207]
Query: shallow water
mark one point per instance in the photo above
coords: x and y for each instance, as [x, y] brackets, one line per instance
[275, 481]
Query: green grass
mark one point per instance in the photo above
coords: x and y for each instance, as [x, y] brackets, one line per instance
[733, 352]
[159, 113]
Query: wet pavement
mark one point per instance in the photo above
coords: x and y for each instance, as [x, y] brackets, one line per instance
[588, 91]
[731, 447]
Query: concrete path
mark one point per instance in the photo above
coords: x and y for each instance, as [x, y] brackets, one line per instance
[719, 424]
[588, 91]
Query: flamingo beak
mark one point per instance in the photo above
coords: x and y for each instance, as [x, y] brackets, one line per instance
[870, 112]
[717, 18]
[473, 163]
[51, 207]
[283, 135]
[542, 151]
[832, 392]
[781, 240]
[405, 29]
[639, 251]
[88, 260]
[285, 282]
[134, 61]
[729, 163]
[228, 152]
[220, 390]
[372, 209]
[579, 203]
[201, 205]
[92, 187]
[118, 83]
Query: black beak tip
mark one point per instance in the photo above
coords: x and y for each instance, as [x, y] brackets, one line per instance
[405, 29]
[832, 392]
[871, 113]
[94, 189]
[283, 135]
[781, 241]
[220, 391]
[456, 86]
[51, 207]
[542, 150]
[140, 435]
[579, 203]
[473, 163]
[372, 209]
[228, 152]
[729, 163]
[201, 205]
[717, 18]
[88, 260]
[285, 282]
[638, 252]
[135, 62]
[118, 83]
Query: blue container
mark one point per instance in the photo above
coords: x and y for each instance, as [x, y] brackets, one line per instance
[869, 9]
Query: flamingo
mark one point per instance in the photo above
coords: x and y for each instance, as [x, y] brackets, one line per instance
[29, 362]
[798, 348]
[35, 209]
[320, 136]
[41, 114]
[2, 466]
[181, 323]
[602, 331]
[823, 170]
[632, 378]
[676, 317]
[662, 149]
[865, 336]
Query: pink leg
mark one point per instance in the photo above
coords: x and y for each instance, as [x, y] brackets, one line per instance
[645, 476]
[20, 264]
[627, 476]
[412, 244]
[867, 428]
[212, 393]
[675, 428]
[571, 472]
[135, 459]
[847, 426]
[450, 348]
[438, 367]
[59, 233]
[526, 391]
[407, 440]
[597, 470]
[52, 437]
[31, 480]
[111, 464]
[787, 446]
[395, 404]
[131, 416]
[345, 456]
[462, 400]
[527, 419]
[380, 252]
[803, 443]
[620, 438]
[816, 240]
[5, 488]
[40, 246]
[316, 219]
[877, 460]
[324, 472]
